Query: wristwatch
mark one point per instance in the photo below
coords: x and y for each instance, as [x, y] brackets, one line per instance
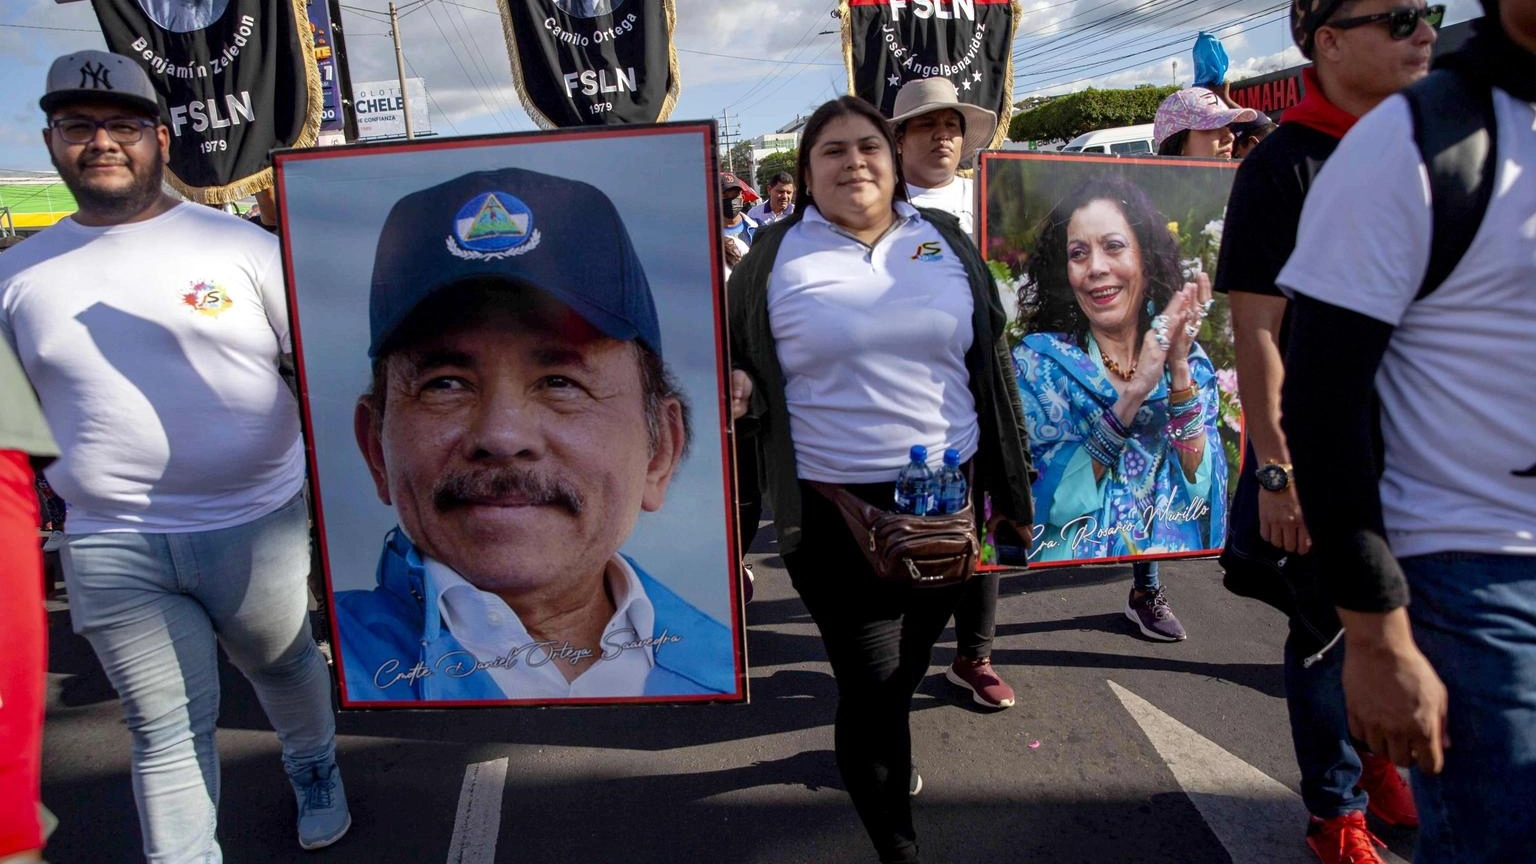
[1274, 476]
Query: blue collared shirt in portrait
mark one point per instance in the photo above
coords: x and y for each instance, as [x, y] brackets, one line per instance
[488, 628]
[396, 644]
[1143, 504]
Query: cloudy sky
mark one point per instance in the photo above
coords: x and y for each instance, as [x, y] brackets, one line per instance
[762, 61]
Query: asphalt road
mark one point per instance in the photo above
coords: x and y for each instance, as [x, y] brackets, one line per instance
[1119, 750]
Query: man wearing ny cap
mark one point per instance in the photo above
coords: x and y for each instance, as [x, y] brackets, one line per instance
[936, 132]
[152, 331]
[520, 420]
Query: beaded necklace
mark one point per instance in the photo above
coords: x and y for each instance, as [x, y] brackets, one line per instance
[1125, 374]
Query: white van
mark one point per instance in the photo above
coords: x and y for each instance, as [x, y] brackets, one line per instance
[1126, 140]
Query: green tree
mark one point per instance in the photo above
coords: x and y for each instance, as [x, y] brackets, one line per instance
[773, 163]
[739, 160]
[1067, 117]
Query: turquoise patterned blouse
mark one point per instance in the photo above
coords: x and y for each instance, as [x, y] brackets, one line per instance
[1145, 503]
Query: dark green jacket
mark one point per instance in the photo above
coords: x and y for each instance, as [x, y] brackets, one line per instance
[1001, 466]
[21, 423]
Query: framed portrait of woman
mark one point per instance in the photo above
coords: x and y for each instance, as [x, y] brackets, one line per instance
[1122, 355]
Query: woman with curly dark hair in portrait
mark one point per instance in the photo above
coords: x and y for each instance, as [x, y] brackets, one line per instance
[1120, 402]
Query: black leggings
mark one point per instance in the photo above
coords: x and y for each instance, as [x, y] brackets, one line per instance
[879, 638]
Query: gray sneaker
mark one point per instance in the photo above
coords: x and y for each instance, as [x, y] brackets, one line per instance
[323, 813]
[1152, 616]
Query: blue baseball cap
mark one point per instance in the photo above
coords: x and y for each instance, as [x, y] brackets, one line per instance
[560, 236]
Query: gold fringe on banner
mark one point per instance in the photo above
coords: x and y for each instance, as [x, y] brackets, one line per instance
[1005, 110]
[674, 76]
[308, 135]
[845, 15]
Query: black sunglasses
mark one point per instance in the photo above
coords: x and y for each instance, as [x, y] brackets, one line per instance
[1400, 22]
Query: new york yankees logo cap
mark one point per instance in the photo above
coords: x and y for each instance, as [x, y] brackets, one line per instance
[99, 76]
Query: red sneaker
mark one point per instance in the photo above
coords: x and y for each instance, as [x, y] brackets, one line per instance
[1391, 799]
[977, 676]
[1343, 840]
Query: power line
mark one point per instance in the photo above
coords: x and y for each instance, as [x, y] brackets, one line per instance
[462, 68]
[431, 100]
[1049, 85]
[1100, 50]
[498, 94]
[1115, 22]
[755, 59]
[63, 29]
[779, 70]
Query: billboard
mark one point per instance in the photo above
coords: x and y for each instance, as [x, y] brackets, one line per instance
[331, 117]
[381, 111]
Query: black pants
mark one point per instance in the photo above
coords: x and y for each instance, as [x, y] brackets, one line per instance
[976, 616]
[879, 637]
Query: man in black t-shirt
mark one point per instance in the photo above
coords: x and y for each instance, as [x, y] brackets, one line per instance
[1355, 68]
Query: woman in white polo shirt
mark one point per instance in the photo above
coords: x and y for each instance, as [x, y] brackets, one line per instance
[860, 327]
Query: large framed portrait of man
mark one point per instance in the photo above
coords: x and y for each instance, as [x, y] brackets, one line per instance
[511, 361]
[1122, 355]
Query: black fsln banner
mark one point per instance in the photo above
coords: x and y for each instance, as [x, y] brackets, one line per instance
[236, 78]
[592, 62]
[887, 43]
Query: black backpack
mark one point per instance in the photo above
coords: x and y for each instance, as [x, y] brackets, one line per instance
[1453, 126]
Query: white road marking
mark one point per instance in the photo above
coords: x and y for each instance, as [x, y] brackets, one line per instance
[478, 822]
[1258, 819]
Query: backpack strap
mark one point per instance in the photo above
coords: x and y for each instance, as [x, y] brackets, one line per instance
[1453, 126]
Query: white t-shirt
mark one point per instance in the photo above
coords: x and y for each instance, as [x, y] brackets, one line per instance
[955, 197]
[153, 347]
[488, 628]
[872, 342]
[1458, 406]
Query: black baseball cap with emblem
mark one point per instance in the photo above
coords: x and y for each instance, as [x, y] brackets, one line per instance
[559, 236]
[99, 76]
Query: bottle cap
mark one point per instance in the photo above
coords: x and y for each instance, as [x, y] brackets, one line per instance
[919, 453]
[952, 457]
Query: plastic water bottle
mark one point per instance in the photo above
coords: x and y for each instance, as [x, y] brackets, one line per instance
[916, 489]
[953, 489]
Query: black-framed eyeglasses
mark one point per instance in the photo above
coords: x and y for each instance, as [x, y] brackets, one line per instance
[80, 130]
[1400, 22]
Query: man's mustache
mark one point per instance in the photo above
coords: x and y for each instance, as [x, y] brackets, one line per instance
[468, 487]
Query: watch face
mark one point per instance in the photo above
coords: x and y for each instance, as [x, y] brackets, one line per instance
[1273, 477]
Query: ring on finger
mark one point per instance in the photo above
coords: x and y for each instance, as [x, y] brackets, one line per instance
[1191, 330]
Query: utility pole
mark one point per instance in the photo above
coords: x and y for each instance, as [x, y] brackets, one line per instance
[405, 98]
[727, 138]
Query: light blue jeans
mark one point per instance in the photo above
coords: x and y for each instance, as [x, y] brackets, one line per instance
[152, 606]
[1474, 617]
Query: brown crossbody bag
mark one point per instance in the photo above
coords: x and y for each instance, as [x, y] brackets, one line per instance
[922, 551]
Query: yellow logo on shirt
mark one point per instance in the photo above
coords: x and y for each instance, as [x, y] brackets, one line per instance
[207, 298]
[930, 251]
